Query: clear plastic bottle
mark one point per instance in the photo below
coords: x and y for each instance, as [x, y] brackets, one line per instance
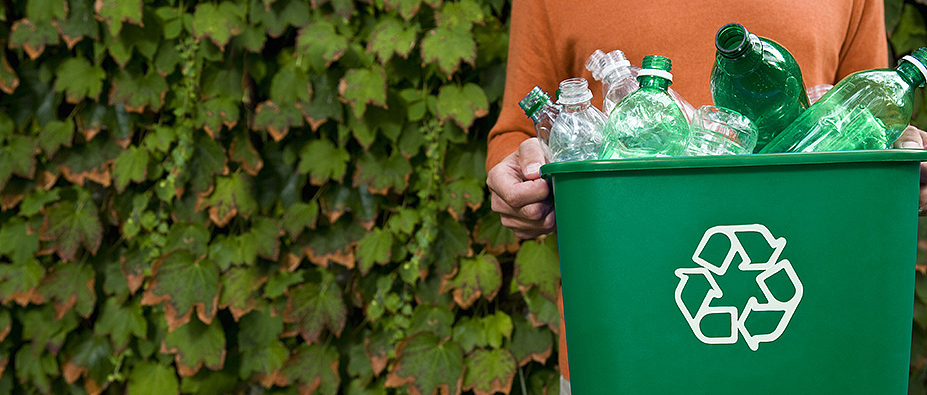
[866, 110]
[648, 122]
[577, 132]
[619, 79]
[720, 131]
[759, 79]
[538, 106]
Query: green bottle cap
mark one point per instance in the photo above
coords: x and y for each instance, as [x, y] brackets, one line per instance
[533, 101]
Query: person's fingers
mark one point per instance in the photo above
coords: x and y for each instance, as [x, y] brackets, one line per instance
[518, 194]
[531, 212]
[911, 137]
[526, 229]
[530, 158]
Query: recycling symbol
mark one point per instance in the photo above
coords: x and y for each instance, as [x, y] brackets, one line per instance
[764, 270]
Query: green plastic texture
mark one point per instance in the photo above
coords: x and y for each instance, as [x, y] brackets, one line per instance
[866, 110]
[758, 78]
[648, 122]
[752, 274]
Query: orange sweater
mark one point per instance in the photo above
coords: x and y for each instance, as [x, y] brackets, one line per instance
[550, 40]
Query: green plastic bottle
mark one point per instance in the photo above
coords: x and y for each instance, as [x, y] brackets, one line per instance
[866, 110]
[757, 78]
[648, 122]
[538, 106]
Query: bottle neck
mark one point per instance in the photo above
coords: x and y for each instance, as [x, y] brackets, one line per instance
[911, 73]
[739, 51]
[577, 107]
[547, 108]
[654, 79]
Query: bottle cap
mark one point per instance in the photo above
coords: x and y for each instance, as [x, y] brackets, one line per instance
[918, 58]
[655, 72]
[533, 101]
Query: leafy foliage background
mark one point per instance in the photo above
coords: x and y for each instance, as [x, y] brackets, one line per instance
[273, 196]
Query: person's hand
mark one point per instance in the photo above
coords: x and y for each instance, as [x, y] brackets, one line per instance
[519, 194]
[913, 137]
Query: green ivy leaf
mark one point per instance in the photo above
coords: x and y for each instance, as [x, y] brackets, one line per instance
[244, 153]
[300, 216]
[137, 93]
[219, 23]
[120, 323]
[17, 157]
[323, 161]
[530, 343]
[141, 38]
[209, 159]
[290, 85]
[46, 329]
[33, 37]
[18, 281]
[375, 247]
[469, 333]
[79, 79]
[462, 104]
[476, 277]
[360, 87]
[320, 44]
[437, 320]
[462, 14]
[17, 242]
[497, 238]
[315, 368]
[9, 81]
[115, 12]
[189, 237]
[391, 36]
[90, 356]
[131, 165]
[68, 225]
[380, 173]
[406, 8]
[280, 282]
[541, 310]
[497, 326]
[152, 378]
[277, 119]
[196, 344]
[277, 15]
[208, 382]
[428, 365]
[264, 235]
[70, 286]
[451, 242]
[80, 23]
[325, 104]
[46, 10]
[54, 135]
[185, 284]
[463, 193]
[232, 197]
[258, 329]
[489, 371]
[239, 289]
[36, 367]
[448, 47]
[538, 265]
[314, 306]
[911, 32]
[217, 112]
[264, 361]
[334, 243]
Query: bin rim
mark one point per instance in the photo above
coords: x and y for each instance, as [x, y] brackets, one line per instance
[720, 161]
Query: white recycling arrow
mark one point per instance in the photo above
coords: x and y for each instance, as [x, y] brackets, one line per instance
[765, 270]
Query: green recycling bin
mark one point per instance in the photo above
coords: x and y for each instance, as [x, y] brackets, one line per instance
[754, 274]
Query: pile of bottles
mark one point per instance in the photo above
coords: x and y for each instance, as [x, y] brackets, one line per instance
[760, 106]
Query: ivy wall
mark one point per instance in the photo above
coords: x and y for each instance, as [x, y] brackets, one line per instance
[272, 197]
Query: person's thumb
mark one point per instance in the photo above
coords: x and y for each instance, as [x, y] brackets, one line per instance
[530, 158]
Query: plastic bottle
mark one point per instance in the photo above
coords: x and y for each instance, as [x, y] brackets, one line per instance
[866, 110]
[759, 79]
[619, 79]
[648, 122]
[538, 106]
[577, 132]
[720, 131]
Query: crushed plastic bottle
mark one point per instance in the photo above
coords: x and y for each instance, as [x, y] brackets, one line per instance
[720, 131]
[577, 132]
[648, 122]
[619, 79]
[866, 110]
[538, 106]
[758, 78]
